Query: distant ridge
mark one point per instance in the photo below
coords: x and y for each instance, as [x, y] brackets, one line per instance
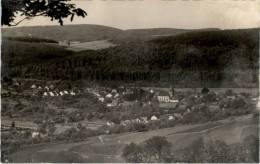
[83, 33]
[88, 32]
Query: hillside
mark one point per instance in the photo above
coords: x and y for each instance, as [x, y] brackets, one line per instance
[110, 149]
[216, 58]
[147, 34]
[82, 33]
[87, 33]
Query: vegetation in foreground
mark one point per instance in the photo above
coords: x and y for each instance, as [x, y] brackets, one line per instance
[158, 149]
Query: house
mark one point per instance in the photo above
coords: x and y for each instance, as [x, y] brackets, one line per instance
[102, 99]
[163, 96]
[35, 134]
[45, 94]
[116, 95]
[114, 91]
[66, 92]
[72, 93]
[112, 104]
[51, 94]
[171, 118]
[154, 118]
[174, 101]
[110, 123]
[109, 95]
[33, 86]
[258, 104]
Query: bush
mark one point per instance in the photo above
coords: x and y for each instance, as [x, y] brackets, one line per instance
[229, 92]
[219, 152]
[155, 149]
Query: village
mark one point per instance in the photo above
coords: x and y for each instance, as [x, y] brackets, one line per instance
[170, 104]
[72, 112]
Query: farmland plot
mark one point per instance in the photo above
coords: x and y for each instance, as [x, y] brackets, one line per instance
[94, 45]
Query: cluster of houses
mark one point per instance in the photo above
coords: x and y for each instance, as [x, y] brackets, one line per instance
[50, 91]
[123, 96]
[145, 120]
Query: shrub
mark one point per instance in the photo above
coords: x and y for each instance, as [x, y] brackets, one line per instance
[155, 149]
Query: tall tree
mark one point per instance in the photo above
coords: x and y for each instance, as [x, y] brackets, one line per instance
[54, 9]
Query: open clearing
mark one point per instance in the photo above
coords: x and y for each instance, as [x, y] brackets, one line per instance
[94, 45]
[108, 148]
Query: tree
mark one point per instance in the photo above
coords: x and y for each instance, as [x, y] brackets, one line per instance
[205, 90]
[155, 149]
[132, 153]
[55, 9]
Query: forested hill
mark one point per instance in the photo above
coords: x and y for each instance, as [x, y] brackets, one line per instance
[82, 33]
[216, 58]
[88, 32]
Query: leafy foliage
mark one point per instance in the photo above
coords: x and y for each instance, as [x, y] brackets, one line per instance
[219, 152]
[55, 9]
[155, 149]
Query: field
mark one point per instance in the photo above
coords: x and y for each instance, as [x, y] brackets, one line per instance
[94, 45]
[108, 148]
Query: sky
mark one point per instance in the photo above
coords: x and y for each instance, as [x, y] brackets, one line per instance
[184, 14]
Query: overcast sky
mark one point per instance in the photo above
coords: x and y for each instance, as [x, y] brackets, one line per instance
[129, 14]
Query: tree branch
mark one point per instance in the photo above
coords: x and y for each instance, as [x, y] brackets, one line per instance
[17, 23]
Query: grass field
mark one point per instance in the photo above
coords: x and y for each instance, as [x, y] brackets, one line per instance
[108, 148]
[94, 45]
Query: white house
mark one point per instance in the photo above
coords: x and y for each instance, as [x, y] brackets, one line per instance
[109, 95]
[61, 93]
[45, 94]
[102, 99]
[163, 96]
[174, 101]
[171, 118]
[258, 104]
[137, 120]
[51, 94]
[116, 95]
[110, 123]
[72, 93]
[66, 92]
[33, 86]
[114, 91]
[35, 134]
[153, 118]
